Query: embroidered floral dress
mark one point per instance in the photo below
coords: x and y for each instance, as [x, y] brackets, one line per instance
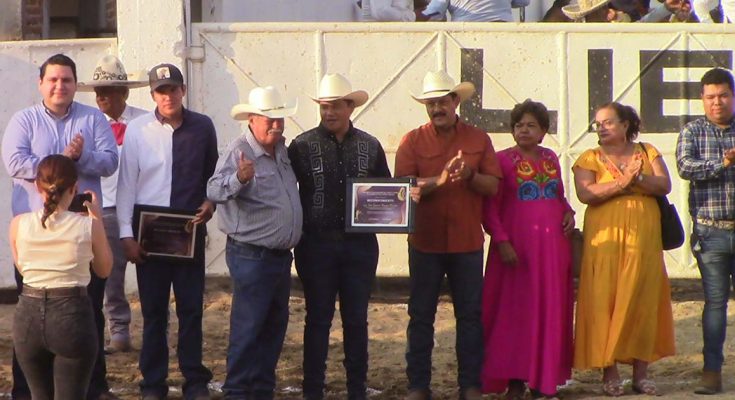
[624, 301]
[527, 308]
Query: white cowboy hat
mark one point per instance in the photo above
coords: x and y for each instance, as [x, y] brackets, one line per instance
[439, 84]
[264, 101]
[335, 87]
[582, 8]
[110, 72]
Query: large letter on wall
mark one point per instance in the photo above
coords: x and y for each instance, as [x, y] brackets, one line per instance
[654, 90]
[488, 120]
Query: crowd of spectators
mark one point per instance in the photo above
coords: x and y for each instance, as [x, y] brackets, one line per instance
[705, 11]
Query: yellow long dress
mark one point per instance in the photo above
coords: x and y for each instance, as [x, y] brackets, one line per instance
[624, 302]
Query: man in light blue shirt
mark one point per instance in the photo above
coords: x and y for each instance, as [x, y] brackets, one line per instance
[59, 125]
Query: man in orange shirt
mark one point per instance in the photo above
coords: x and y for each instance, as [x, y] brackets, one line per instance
[455, 166]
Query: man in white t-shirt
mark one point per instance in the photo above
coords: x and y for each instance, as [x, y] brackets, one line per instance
[112, 87]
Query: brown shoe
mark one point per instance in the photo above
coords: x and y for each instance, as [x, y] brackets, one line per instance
[118, 346]
[711, 383]
[418, 394]
[472, 393]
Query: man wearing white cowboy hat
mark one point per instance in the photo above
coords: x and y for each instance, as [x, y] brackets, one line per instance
[455, 167]
[111, 86]
[261, 215]
[328, 260]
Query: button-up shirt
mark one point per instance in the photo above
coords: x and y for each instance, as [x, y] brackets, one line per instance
[449, 219]
[163, 166]
[699, 157]
[322, 166]
[34, 133]
[264, 211]
[109, 184]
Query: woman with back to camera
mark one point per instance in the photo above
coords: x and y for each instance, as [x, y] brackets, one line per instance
[624, 301]
[527, 296]
[54, 332]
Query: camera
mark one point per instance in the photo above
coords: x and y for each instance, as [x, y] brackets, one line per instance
[77, 203]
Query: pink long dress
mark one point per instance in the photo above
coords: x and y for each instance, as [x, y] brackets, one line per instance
[527, 309]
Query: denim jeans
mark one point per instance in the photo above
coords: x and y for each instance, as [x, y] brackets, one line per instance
[328, 265]
[98, 382]
[427, 271]
[261, 284]
[715, 252]
[55, 341]
[116, 303]
[155, 279]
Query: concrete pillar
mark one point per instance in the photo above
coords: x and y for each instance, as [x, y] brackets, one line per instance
[149, 33]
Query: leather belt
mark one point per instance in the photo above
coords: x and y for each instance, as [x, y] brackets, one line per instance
[719, 224]
[260, 249]
[50, 293]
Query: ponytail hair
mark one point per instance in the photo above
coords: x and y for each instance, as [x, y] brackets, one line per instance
[56, 174]
[627, 114]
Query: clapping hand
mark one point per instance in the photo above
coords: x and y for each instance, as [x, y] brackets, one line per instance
[74, 149]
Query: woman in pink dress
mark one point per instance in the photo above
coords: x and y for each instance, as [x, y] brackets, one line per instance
[528, 292]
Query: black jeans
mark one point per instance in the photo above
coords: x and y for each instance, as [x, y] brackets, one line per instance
[55, 341]
[330, 265]
[155, 279]
[427, 271]
[98, 383]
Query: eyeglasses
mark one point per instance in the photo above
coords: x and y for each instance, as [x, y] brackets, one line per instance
[604, 124]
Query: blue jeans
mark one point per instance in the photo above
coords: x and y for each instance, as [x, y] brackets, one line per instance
[55, 341]
[261, 284]
[98, 382]
[427, 271]
[715, 252]
[328, 265]
[155, 279]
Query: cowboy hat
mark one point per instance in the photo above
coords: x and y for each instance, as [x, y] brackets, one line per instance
[582, 8]
[264, 101]
[337, 87]
[109, 72]
[439, 84]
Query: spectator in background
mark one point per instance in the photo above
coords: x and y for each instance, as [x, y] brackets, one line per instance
[709, 11]
[472, 10]
[111, 86]
[388, 11]
[618, 11]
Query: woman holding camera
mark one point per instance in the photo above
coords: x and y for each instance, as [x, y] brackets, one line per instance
[54, 330]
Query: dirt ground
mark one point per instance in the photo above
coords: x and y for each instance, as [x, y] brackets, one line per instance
[676, 376]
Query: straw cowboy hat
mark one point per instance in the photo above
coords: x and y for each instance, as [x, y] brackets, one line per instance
[582, 8]
[337, 87]
[110, 72]
[439, 84]
[264, 101]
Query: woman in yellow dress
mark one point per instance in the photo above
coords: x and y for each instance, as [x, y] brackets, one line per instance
[624, 304]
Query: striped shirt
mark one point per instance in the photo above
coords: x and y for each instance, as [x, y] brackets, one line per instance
[699, 158]
[264, 211]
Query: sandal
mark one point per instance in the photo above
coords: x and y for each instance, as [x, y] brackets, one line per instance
[645, 386]
[613, 388]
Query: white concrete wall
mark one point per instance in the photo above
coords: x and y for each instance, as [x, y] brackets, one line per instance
[10, 20]
[279, 10]
[553, 63]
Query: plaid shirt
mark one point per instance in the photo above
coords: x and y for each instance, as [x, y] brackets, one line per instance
[699, 158]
